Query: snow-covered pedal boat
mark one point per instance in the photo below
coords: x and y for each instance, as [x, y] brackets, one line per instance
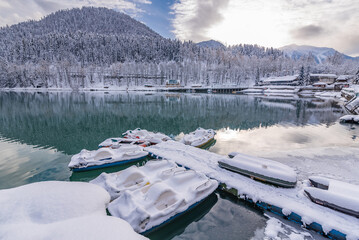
[114, 142]
[199, 138]
[106, 157]
[349, 119]
[261, 169]
[153, 205]
[334, 194]
[136, 177]
[144, 135]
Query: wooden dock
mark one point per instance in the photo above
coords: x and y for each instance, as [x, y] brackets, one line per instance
[288, 203]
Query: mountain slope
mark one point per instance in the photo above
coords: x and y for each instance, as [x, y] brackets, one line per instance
[86, 19]
[88, 36]
[320, 54]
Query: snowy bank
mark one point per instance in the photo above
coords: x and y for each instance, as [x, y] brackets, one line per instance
[59, 210]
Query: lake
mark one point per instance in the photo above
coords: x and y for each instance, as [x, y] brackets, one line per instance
[40, 131]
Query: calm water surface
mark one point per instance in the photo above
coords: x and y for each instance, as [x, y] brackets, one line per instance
[40, 131]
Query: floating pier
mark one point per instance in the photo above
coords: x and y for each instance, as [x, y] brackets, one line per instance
[291, 204]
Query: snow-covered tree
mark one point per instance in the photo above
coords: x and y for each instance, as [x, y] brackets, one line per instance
[301, 77]
[88, 46]
[307, 80]
[356, 77]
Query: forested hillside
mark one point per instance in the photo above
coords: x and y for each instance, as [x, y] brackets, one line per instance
[96, 47]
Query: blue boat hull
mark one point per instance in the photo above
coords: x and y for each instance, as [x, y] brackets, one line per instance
[123, 162]
[174, 217]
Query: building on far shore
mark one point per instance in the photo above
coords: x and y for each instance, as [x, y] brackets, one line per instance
[284, 80]
[320, 85]
[323, 77]
[342, 82]
[172, 83]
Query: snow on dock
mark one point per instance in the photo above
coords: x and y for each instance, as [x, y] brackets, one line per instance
[290, 203]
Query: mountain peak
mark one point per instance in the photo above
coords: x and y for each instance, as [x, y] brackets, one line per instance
[211, 44]
[320, 54]
[86, 19]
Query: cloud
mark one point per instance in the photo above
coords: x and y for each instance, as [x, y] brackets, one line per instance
[349, 44]
[193, 18]
[308, 31]
[275, 23]
[14, 11]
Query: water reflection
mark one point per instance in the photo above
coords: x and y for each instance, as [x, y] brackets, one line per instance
[230, 218]
[179, 225]
[40, 131]
[21, 164]
[69, 121]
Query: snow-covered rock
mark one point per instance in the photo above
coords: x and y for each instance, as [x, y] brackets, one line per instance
[59, 210]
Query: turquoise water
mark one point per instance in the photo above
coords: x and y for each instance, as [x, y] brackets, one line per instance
[39, 131]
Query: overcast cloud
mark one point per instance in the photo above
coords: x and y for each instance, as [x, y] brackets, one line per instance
[327, 23]
[14, 11]
[274, 23]
[193, 18]
[306, 32]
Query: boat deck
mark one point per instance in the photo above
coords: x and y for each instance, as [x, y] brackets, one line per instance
[289, 203]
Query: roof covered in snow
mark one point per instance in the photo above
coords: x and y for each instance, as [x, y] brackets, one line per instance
[319, 83]
[329, 75]
[281, 79]
[344, 77]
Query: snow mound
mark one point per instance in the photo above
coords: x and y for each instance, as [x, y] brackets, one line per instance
[59, 210]
[199, 137]
[135, 177]
[153, 204]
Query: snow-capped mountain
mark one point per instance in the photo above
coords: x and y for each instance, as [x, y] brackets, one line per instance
[320, 54]
[98, 47]
[211, 44]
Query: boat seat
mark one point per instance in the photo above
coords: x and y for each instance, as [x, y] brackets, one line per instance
[103, 154]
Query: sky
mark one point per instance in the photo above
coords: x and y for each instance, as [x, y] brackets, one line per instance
[269, 23]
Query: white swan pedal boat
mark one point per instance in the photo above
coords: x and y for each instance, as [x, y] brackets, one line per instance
[334, 194]
[260, 169]
[106, 157]
[135, 177]
[199, 138]
[149, 206]
[144, 135]
[113, 142]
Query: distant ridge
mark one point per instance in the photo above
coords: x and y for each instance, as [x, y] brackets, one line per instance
[211, 44]
[320, 54]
